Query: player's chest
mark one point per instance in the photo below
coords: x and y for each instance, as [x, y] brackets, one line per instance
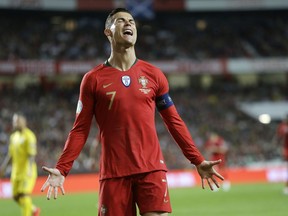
[135, 85]
[18, 142]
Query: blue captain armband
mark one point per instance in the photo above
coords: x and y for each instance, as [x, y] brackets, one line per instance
[163, 102]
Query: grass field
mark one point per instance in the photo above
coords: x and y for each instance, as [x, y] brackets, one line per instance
[241, 200]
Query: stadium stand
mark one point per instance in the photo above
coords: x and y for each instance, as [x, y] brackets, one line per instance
[78, 36]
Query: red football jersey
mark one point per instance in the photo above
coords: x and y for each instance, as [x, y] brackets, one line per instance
[218, 149]
[124, 103]
[282, 132]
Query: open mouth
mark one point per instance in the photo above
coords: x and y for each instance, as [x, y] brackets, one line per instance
[128, 32]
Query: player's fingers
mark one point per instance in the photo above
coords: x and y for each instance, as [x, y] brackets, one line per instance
[50, 189]
[202, 183]
[46, 169]
[62, 189]
[218, 175]
[209, 184]
[216, 162]
[215, 182]
[55, 192]
[45, 185]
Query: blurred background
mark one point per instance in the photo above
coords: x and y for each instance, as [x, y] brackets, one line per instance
[226, 61]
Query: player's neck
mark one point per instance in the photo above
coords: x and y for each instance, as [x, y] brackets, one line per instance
[122, 59]
[19, 129]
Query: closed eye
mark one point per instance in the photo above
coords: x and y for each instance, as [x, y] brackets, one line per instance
[131, 21]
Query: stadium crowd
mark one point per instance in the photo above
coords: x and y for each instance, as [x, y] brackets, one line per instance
[44, 35]
[51, 111]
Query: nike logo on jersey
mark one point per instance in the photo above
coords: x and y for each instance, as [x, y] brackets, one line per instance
[107, 85]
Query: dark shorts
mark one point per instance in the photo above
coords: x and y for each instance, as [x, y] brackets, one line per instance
[119, 196]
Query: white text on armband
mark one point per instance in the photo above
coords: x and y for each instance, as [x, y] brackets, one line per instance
[163, 102]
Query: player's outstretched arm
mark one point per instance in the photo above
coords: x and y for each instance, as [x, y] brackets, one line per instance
[54, 181]
[208, 173]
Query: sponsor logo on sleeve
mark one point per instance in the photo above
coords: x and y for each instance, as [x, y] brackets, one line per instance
[79, 107]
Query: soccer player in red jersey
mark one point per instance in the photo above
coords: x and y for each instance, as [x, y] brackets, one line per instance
[282, 133]
[122, 94]
[217, 148]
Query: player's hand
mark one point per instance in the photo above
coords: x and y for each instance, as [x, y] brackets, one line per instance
[208, 173]
[54, 181]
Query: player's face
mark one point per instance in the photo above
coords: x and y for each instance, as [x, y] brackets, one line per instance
[18, 122]
[15, 122]
[123, 30]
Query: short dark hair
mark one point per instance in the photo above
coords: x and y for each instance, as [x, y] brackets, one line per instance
[110, 19]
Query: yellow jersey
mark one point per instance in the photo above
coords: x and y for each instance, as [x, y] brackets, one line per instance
[22, 145]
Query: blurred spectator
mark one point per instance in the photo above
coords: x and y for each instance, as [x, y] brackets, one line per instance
[217, 148]
[282, 133]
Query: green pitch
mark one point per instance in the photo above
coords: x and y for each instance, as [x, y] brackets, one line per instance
[248, 200]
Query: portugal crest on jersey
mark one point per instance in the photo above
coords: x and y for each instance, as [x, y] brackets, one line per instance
[143, 82]
[126, 80]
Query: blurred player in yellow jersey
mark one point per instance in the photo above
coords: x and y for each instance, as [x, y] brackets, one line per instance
[22, 152]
